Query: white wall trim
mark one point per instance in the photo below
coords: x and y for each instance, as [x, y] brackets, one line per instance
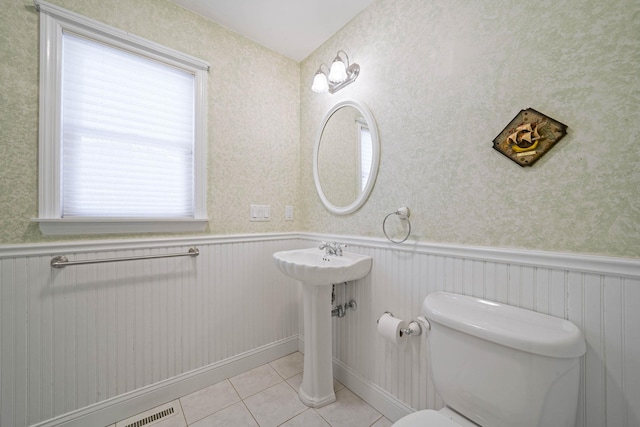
[82, 246]
[375, 396]
[623, 267]
[140, 400]
[586, 263]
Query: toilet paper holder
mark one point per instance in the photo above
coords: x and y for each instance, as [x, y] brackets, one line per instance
[413, 328]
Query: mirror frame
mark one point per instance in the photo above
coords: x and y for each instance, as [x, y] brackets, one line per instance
[375, 143]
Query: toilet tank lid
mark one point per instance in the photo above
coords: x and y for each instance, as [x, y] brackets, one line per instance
[503, 324]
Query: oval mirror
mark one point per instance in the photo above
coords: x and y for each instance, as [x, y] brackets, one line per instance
[346, 156]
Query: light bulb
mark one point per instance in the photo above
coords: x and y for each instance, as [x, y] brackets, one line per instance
[320, 84]
[338, 72]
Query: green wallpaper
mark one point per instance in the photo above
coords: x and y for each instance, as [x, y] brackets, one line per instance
[253, 113]
[444, 77]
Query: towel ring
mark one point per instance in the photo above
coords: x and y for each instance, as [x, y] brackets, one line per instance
[403, 212]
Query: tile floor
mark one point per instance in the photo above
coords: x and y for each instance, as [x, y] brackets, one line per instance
[267, 396]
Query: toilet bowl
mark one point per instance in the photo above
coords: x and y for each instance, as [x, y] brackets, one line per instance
[430, 418]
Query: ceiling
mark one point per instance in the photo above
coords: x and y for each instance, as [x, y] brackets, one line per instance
[293, 28]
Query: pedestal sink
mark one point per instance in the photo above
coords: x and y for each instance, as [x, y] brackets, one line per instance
[318, 272]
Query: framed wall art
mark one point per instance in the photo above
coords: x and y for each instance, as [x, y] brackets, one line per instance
[528, 137]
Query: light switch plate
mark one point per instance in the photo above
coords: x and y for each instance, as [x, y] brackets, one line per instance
[288, 213]
[259, 213]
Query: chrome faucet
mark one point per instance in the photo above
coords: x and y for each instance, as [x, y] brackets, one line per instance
[332, 248]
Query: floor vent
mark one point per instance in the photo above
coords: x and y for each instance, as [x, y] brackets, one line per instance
[151, 417]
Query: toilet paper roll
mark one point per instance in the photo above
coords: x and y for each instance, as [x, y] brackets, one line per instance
[391, 328]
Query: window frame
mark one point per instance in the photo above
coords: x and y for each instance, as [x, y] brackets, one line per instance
[53, 22]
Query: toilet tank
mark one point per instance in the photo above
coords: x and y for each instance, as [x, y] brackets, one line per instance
[503, 366]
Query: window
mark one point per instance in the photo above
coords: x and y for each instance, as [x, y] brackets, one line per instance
[122, 131]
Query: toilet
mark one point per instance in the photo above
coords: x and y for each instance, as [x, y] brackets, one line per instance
[497, 365]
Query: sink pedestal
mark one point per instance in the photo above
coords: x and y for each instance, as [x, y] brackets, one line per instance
[317, 270]
[316, 389]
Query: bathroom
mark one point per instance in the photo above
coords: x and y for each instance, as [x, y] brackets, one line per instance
[442, 79]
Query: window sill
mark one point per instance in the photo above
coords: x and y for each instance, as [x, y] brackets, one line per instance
[76, 226]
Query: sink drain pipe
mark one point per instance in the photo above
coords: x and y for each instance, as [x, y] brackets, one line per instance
[340, 310]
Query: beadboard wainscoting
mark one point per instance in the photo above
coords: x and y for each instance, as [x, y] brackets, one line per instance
[601, 295]
[122, 337]
[84, 343]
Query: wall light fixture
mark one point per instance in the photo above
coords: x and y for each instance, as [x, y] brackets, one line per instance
[340, 74]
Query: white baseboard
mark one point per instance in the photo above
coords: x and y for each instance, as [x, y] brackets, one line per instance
[137, 401]
[375, 396]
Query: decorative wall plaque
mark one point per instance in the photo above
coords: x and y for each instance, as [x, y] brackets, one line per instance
[529, 136]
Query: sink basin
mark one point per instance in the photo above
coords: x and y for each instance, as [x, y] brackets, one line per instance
[317, 272]
[314, 267]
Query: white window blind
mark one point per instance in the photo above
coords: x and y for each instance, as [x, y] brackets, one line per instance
[127, 134]
[122, 129]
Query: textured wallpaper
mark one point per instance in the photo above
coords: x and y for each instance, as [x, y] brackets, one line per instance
[443, 78]
[253, 113]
